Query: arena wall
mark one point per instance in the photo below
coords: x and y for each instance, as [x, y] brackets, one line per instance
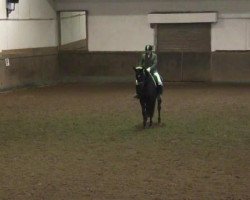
[117, 27]
[72, 30]
[29, 39]
[117, 32]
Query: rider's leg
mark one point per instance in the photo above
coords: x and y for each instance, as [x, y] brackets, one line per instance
[159, 84]
[137, 96]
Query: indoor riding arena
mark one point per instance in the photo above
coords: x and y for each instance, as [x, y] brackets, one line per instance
[70, 127]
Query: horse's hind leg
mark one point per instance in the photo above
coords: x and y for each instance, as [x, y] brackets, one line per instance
[145, 118]
[159, 109]
[144, 122]
[151, 122]
[151, 109]
[144, 113]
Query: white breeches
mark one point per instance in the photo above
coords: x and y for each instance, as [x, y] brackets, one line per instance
[156, 74]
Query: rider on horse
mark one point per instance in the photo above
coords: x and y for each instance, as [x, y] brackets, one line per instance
[149, 62]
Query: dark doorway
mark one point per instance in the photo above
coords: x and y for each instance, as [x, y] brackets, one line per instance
[184, 51]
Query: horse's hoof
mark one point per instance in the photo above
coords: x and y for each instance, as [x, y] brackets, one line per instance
[159, 121]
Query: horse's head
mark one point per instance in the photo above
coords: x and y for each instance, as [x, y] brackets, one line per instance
[140, 75]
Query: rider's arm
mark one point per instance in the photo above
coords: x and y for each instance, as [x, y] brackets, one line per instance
[142, 61]
[153, 67]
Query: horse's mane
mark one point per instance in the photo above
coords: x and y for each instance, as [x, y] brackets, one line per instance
[150, 77]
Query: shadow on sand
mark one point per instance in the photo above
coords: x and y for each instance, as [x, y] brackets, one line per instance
[139, 127]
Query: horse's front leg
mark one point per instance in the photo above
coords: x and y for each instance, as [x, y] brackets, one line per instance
[159, 109]
[150, 110]
[144, 113]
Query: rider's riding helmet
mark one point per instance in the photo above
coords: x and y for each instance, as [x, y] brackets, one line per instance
[148, 48]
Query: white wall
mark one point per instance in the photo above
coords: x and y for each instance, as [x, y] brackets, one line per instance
[119, 33]
[32, 24]
[121, 25]
[118, 25]
[248, 34]
[231, 33]
[141, 7]
[73, 26]
[2, 9]
[132, 32]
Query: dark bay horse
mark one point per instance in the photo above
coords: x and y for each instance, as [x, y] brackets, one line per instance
[147, 95]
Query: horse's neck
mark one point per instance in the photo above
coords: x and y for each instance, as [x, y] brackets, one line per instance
[149, 83]
[150, 80]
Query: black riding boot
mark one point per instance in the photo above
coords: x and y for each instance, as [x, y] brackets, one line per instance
[159, 91]
[137, 96]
